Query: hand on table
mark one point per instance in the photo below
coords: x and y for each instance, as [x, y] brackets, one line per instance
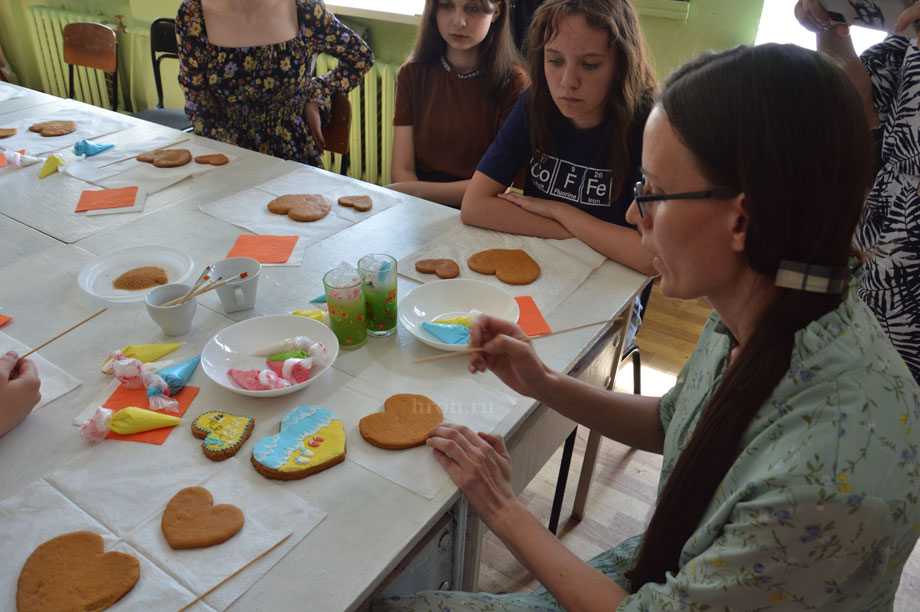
[479, 464]
[537, 206]
[311, 110]
[19, 390]
[507, 353]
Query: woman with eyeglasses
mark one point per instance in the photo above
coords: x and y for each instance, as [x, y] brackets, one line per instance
[575, 134]
[790, 440]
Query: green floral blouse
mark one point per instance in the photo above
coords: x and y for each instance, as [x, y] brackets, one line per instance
[254, 97]
[820, 509]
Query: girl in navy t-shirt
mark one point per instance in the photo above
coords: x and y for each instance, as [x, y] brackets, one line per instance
[576, 134]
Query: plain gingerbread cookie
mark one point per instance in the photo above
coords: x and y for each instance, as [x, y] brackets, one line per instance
[300, 207]
[444, 268]
[191, 520]
[405, 422]
[71, 572]
[361, 203]
[53, 128]
[169, 158]
[512, 266]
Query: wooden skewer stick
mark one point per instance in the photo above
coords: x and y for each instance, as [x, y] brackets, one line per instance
[213, 588]
[205, 289]
[118, 161]
[527, 339]
[63, 332]
[206, 275]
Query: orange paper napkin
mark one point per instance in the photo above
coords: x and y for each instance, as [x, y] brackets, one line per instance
[530, 319]
[107, 198]
[264, 249]
[4, 320]
[124, 397]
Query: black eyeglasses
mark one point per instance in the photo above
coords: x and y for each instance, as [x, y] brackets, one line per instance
[642, 199]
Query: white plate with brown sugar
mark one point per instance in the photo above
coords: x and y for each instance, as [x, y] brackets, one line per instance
[132, 268]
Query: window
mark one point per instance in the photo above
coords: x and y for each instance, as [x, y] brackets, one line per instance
[778, 24]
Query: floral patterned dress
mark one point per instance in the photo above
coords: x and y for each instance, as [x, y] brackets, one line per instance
[820, 509]
[254, 97]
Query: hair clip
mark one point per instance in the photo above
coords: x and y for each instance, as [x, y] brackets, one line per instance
[808, 277]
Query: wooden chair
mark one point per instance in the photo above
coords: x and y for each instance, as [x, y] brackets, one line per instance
[92, 45]
[631, 352]
[163, 45]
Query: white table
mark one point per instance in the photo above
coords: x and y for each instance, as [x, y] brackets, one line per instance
[43, 245]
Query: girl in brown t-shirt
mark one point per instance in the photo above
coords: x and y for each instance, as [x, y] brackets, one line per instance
[452, 96]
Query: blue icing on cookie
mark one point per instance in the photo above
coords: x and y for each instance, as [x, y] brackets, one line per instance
[274, 451]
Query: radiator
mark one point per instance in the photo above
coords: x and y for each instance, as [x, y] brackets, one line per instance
[371, 135]
[90, 85]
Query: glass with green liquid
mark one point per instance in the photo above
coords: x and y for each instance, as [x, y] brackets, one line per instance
[345, 299]
[379, 272]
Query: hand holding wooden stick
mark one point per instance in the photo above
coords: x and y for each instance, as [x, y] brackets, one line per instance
[527, 339]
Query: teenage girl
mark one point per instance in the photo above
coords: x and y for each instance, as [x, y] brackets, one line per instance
[577, 132]
[452, 97]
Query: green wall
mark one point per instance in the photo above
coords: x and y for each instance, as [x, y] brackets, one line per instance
[709, 24]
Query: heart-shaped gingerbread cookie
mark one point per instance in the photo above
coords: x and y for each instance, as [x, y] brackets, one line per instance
[215, 159]
[512, 266]
[444, 268]
[361, 203]
[311, 440]
[405, 422]
[71, 572]
[191, 520]
[300, 207]
[166, 158]
[53, 128]
[223, 433]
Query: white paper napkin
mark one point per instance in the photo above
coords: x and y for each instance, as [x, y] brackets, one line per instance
[271, 512]
[312, 180]
[89, 127]
[462, 401]
[40, 513]
[152, 179]
[55, 381]
[9, 93]
[563, 267]
[118, 159]
[249, 210]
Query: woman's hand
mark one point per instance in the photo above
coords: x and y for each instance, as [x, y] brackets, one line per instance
[311, 110]
[479, 464]
[508, 354]
[537, 206]
[19, 385]
[906, 18]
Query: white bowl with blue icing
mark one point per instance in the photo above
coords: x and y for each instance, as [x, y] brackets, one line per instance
[235, 347]
[449, 298]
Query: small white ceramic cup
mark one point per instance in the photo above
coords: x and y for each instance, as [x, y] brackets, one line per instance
[173, 320]
[239, 294]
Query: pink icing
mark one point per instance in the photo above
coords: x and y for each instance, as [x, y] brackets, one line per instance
[292, 370]
[257, 380]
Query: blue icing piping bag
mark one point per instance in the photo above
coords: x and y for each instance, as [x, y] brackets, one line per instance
[449, 334]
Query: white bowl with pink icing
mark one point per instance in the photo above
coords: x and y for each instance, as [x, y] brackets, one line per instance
[235, 358]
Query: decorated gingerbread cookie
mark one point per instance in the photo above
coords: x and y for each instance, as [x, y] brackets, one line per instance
[53, 128]
[300, 207]
[71, 572]
[405, 422]
[311, 439]
[191, 520]
[444, 268]
[223, 433]
[512, 266]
